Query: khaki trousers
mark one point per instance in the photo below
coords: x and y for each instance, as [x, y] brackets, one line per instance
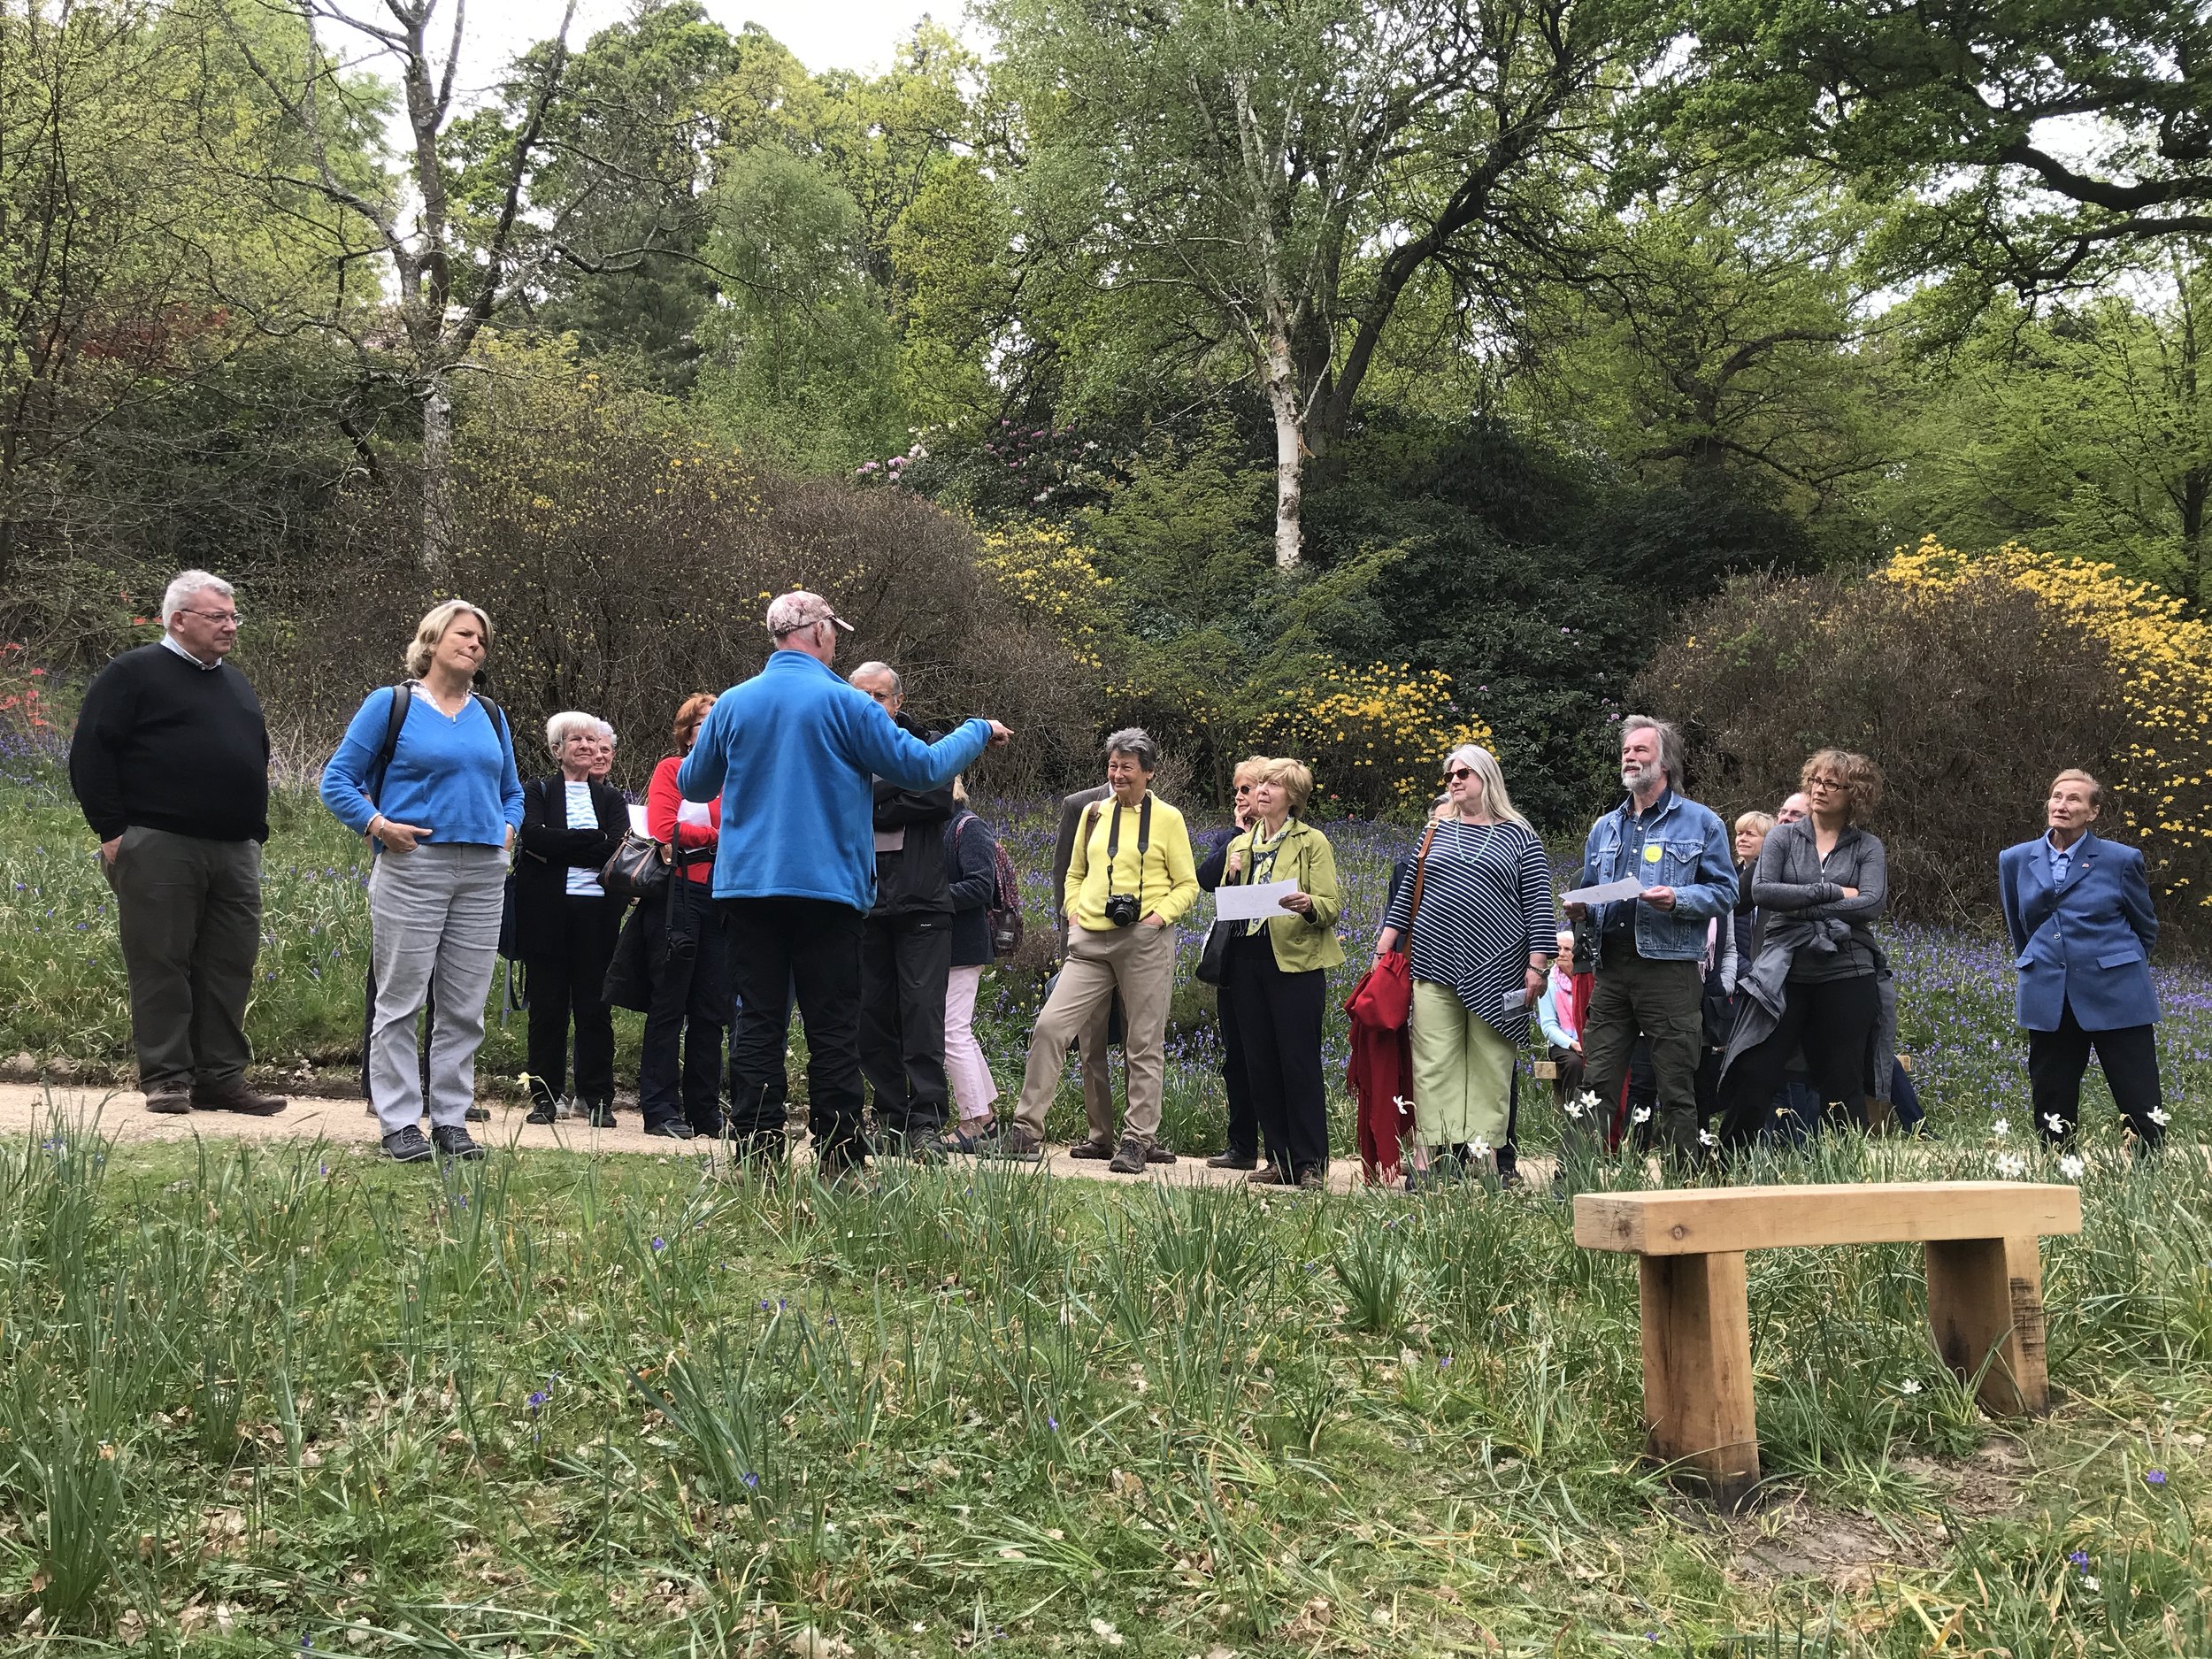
[1139, 963]
[1462, 1072]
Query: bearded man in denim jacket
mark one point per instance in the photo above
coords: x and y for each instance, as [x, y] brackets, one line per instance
[1649, 983]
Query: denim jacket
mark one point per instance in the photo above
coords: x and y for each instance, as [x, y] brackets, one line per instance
[1694, 860]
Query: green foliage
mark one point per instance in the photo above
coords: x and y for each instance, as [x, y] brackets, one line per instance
[2084, 432]
[800, 366]
[1970, 123]
[1722, 340]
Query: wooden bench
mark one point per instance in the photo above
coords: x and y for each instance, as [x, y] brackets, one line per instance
[1985, 1294]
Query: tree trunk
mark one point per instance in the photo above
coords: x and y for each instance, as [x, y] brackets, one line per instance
[437, 475]
[1290, 451]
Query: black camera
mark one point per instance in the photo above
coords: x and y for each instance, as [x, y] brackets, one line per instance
[1121, 909]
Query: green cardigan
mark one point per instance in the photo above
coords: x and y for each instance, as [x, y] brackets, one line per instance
[1301, 942]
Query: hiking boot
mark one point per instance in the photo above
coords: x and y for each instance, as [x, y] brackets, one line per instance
[407, 1146]
[1154, 1152]
[1266, 1175]
[170, 1098]
[1233, 1161]
[1012, 1141]
[1092, 1149]
[232, 1096]
[454, 1142]
[1131, 1158]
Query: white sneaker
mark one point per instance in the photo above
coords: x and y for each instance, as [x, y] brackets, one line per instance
[570, 1109]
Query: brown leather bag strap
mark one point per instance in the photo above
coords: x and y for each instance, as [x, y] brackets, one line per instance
[1420, 869]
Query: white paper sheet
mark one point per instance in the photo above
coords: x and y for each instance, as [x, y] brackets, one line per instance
[1604, 893]
[1252, 904]
[637, 820]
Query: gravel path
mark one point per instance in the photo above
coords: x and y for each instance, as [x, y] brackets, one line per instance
[121, 1115]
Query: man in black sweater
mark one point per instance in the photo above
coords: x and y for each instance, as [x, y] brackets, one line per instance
[170, 761]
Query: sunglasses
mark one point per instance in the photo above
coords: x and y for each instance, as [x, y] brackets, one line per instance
[1456, 773]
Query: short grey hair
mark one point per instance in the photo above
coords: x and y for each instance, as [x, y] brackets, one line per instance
[188, 585]
[1135, 741]
[565, 726]
[1670, 743]
[898, 686]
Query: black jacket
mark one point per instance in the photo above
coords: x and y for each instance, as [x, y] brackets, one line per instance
[1064, 849]
[550, 849]
[972, 856]
[912, 881]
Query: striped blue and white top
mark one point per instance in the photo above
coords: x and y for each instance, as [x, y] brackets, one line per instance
[1486, 907]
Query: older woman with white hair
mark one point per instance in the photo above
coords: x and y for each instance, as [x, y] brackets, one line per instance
[1480, 927]
[565, 922]
[426, 772]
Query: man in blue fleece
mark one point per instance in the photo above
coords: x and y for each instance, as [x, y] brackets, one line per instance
[792, 753]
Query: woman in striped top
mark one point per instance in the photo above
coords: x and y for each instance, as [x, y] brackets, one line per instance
[1481, 941]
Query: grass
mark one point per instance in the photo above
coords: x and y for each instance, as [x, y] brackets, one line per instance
[289, 1397]
[255, 1396]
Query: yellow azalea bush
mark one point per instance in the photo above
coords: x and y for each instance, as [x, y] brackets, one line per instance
[2162, 677]
[1376, 737]
[1042, 570]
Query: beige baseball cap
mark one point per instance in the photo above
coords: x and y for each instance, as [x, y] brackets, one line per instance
[800, 609]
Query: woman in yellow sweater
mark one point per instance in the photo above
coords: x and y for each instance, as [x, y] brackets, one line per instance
[1131, 879]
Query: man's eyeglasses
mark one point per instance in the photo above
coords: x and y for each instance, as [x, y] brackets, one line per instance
[219, 618]
[1458, 772]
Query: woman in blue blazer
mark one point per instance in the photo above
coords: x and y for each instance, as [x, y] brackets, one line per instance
[2079, 910]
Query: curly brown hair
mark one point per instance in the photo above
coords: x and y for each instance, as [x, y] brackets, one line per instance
[1859, 777]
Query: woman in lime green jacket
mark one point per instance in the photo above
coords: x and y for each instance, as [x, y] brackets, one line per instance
[1277, 974]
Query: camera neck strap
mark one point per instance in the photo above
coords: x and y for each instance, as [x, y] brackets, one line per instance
[1144, 844]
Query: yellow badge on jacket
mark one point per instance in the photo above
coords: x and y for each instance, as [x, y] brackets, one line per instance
[1651, 852]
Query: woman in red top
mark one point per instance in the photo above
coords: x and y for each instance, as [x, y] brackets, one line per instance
[687, 1013]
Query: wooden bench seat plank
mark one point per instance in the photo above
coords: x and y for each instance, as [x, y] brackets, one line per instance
[1698, 1221]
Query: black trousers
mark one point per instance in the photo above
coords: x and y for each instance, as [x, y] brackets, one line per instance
[905, 965]
[811, 947]
[567, 981]
[1279, 1019]
[1833, 1020]
[2129, 1056]
[1244, 1124]
[680, 1071]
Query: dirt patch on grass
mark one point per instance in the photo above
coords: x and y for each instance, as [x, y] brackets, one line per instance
[1802, 1537]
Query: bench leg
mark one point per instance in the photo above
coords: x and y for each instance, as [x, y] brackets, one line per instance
[1697, 1371]
[1986, 1295]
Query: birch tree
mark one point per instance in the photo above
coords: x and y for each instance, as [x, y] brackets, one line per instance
[1281, 173]
[455, 221]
